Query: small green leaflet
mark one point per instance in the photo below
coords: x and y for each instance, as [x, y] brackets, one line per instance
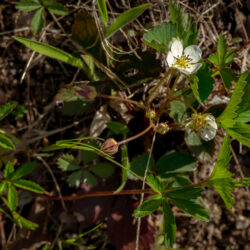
[12, 197]
[9, 168]
[186, 30]
[22, 171]
[6, 109]
[55, 8]
[28, 185]
[244, 106]
[185, 193]
[241, 132]
[169, 225]
[22, 222]
[125, 18]
[175, 162]
[6, 143]
[155, 183]
[67, 162]
[102, 169]
[245, 182]
[51, 51]
[221, 179]
[28, 5]
[38, 21]
[190, 207]
[148, 206]
[3, 185]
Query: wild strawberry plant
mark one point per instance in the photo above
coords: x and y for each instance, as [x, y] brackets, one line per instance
[176, 103]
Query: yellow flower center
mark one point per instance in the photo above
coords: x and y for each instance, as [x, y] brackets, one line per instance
[182, 62]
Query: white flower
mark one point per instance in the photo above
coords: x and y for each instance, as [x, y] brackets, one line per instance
[208, 132]
[186, 61]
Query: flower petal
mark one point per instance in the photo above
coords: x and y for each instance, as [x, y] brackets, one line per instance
[194, 52]
[177, 48]
[191, 69]
[170, 59]
[208, 133]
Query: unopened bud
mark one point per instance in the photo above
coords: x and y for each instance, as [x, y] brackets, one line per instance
[110, 146]
[85, 92]
[150, 114]
[162, 128]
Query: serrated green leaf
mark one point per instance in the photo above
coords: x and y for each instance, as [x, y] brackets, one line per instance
[67, 163]
[23, 223]
[103, 169]
[175, 162]
[244, 106]
[5, 142]
[117, 128]
[213, 58]
[169, 225]
[28, 185]
[160, 36]
[221, 179]
[189, 207]
[229, 56]
[28, 5]
[23, 170]
[12, 197]
[6, 109]
[38, 21]
[56, 8]
[205, 83]
[9, 168]
[245, 182]
[155, 183]
[241, 132]
[227, 76]
[148, 206]
[185, 194]
[103, 10]
[51, 51]
[3, 186]
[230, 113]
[139, 163]
[221, 49]
[125, 18]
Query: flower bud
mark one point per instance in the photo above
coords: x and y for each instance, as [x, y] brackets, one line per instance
[110, 146]
[150, 114]
[162, 128]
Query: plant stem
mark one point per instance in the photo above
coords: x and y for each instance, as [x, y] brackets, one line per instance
[187, 104]
[156, 88]
[136, 136]
[121, 99]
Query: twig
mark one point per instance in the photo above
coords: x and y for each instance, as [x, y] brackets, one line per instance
[137, 242]
[54, 179]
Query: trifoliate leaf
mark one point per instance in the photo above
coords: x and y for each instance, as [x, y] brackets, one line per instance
[228, 76]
